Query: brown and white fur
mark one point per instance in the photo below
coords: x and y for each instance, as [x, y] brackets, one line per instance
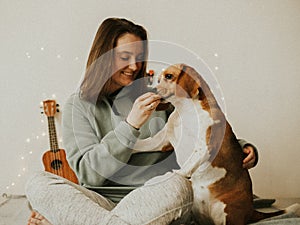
[207, 150]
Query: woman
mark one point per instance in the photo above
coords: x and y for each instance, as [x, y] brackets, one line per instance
[100, 126]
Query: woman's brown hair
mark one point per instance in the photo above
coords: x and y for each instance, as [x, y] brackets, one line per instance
[97, 79]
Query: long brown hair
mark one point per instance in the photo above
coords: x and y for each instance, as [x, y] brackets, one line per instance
[97, 79]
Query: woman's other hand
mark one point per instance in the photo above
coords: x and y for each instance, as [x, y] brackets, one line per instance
[250, 159]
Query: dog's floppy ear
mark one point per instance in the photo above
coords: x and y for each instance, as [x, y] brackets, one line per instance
[188, 82]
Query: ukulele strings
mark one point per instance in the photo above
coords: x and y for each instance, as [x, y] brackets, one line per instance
[55, 156]
[52, 151]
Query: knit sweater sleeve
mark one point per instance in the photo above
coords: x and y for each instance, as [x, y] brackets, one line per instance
[92, 156]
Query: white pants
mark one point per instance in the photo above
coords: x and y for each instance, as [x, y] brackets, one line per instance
[65, 203]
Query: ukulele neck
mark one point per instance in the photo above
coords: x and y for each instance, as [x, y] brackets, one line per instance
[52, 134]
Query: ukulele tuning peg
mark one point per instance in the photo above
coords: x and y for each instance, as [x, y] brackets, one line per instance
[57, 105]
[42, 112]
[57, 110]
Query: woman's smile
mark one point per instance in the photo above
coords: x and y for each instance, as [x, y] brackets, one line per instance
[128, 74]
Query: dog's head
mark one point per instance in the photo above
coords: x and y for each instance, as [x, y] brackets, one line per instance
[179, 80]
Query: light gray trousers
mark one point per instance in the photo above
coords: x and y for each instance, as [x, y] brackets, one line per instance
[65, 203]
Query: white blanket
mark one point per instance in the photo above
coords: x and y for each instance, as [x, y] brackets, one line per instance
[14, 210]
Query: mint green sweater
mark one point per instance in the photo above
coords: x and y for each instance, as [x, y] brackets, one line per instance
[99, 144]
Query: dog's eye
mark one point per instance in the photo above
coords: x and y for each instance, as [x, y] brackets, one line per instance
[169, 76]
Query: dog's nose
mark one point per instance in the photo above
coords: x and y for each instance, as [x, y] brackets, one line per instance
[154, 90]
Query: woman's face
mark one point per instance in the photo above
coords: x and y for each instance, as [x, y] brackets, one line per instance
[128, 60]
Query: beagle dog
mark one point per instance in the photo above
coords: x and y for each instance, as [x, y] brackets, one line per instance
[206, 148]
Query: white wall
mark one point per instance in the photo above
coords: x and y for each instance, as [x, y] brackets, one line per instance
[44, 47]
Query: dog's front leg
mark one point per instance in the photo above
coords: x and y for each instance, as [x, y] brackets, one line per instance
[156, 143]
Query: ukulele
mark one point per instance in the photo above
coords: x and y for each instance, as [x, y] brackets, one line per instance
[54, 160]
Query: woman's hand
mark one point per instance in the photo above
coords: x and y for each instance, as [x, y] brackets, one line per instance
[250, 159]
[142, 109]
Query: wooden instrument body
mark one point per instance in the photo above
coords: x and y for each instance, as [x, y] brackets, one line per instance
[55, 160]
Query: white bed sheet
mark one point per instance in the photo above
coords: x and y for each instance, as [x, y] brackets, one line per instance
[14, 210]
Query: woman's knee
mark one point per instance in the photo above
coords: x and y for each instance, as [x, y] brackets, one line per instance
[164, 199]
[38, 183]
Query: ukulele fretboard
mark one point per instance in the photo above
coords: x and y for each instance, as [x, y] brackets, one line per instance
[52, 134]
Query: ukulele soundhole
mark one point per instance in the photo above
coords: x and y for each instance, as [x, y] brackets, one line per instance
[56, 164]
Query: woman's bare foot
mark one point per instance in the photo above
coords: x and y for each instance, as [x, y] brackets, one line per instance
[37, 219]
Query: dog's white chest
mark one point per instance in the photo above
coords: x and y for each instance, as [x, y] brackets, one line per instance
[206, 207]
[187, 129]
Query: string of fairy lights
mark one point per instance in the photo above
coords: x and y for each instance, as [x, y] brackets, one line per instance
[24, 159]
[27, 154]
[44, 134]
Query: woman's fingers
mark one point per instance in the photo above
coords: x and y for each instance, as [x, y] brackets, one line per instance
[249, 161]
[148, 95]
[147, 101]
[148, 98]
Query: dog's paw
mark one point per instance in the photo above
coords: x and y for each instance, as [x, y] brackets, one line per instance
[295, 208]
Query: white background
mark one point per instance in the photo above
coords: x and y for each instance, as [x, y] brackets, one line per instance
[253, 47]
